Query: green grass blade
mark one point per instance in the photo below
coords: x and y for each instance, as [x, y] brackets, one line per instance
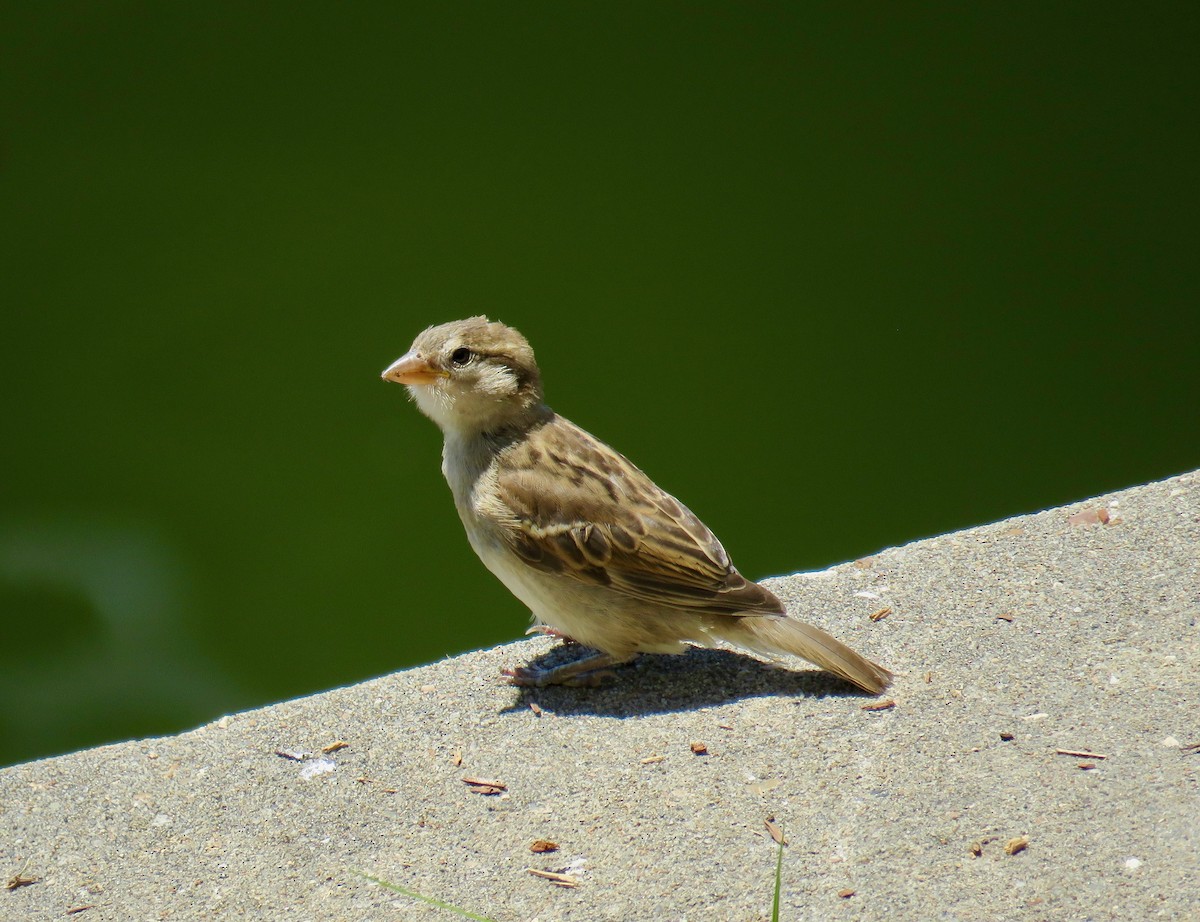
[778, 882]
[425, 899]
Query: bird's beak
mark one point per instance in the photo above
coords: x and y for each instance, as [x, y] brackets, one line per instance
[412, 368]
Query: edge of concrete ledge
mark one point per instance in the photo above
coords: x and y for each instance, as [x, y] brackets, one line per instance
[1035, 758]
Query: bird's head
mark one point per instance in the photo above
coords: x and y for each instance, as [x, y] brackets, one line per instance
[470, 376]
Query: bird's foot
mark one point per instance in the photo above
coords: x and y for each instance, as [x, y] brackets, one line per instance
[589, 672]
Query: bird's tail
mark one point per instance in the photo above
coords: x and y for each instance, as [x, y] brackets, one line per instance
[785, 635]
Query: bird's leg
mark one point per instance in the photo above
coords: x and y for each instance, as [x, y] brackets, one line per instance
[587, 672]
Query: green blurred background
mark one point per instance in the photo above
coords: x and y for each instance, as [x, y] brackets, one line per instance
[839, 276]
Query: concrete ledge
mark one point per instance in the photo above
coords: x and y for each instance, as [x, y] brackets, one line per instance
[1040, 633]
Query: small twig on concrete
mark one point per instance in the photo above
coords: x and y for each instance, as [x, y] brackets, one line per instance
[561, 880]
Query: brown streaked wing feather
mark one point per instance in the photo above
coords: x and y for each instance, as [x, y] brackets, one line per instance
[580, 509]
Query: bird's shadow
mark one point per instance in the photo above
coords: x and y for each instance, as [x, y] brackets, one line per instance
[662, 684]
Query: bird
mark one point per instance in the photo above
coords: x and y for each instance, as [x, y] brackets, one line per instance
[597, 551]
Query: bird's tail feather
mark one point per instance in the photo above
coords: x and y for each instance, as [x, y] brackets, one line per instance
[786, 635]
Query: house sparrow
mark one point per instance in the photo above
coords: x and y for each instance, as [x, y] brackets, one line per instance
[597, 551]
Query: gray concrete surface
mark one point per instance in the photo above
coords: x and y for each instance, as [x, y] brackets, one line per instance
[1011, 641]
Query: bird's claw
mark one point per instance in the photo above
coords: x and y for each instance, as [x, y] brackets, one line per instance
[551, 632]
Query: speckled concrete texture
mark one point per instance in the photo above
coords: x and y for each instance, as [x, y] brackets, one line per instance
[1074, 629]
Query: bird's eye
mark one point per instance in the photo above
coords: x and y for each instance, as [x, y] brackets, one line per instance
[461, 356]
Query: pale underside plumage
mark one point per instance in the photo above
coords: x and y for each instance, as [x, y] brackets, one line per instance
[594, 547]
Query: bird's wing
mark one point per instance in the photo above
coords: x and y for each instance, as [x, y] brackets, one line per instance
[572, 505]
